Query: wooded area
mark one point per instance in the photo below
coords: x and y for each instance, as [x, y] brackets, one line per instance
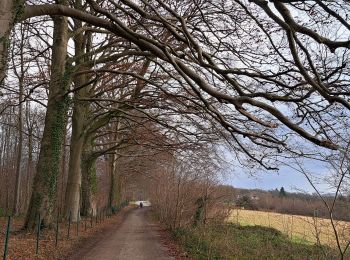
[105, 101]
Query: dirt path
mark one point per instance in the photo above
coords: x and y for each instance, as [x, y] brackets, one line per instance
[135, 239]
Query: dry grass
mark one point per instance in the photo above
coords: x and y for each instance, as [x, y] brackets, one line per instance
[298, 228]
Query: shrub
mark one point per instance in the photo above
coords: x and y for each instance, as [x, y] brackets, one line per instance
[231, 241]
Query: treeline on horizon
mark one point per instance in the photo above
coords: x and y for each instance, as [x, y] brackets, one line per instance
[295, 203]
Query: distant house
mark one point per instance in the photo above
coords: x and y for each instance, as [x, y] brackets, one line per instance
[252, 196]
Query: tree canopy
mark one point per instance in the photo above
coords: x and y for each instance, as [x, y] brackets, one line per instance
[268, 72]
[269, 79]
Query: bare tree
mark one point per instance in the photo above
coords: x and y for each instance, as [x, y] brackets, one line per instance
[44, 186]
[200, 47]
[264, 76]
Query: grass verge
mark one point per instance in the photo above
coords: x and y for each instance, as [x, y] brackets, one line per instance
[232, 241]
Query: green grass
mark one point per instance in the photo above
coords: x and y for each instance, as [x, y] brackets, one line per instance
[231, 241]
[300, 240]
[244, 223]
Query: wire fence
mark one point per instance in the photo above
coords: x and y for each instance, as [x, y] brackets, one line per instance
[64, 228]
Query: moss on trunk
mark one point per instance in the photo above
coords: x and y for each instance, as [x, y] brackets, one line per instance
[89, 183]
[45, 181]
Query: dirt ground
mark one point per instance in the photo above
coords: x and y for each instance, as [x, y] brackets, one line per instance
[137, 237]
[22, 243]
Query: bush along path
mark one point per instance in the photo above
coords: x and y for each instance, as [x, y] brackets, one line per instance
[59, 242]
[231, 241]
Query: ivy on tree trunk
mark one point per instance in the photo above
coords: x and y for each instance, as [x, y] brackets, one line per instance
[45, 182]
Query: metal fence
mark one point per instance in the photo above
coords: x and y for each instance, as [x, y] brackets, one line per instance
[63, 226]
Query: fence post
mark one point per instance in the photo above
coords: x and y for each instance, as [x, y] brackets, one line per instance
[96, 214]
[78, 223]
[57, 229]
[7, 237]
[38, 235]
[69, 221]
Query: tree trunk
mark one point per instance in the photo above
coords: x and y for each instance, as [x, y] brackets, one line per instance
[45, 181]
[80, 112]
[112, 171]
[74, 171]
[19, 151]
[7, 159]
[115, 182]
[30, 163]
[20, 75]
[29, 168]
[62, 179]
[119, 187]
[6, 23]
[89, 185]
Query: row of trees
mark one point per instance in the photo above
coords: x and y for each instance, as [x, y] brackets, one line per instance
[97, 97]
[290, 203]
[262, 76]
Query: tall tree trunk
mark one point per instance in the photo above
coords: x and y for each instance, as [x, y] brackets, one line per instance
[10, 10]
[29, 168]
[112, 171]
[89, 185]
[115, 182]
[80, 111]
[116, 185]
[20, 76]
[19, 151]
[74, 171]
[62, 180]
[45, 181]
[6, 22]
[30, 163]
[7, 160]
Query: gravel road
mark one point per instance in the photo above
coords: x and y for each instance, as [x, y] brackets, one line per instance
[135, 238]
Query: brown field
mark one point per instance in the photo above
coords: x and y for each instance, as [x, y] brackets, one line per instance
[298, 228]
